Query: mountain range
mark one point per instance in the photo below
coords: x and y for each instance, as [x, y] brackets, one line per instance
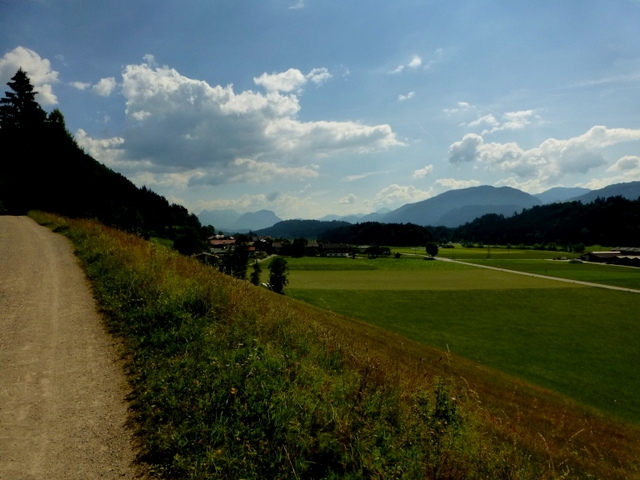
[450, 209]
[232, 221]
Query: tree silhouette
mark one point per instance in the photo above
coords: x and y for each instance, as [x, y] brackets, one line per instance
[19, 109]
[278, 274]
[255, 275]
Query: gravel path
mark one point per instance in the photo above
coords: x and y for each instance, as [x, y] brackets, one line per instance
[62, 390]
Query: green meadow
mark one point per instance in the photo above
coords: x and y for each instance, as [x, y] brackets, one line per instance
[577, 340]
[462, 253]
[616, 276]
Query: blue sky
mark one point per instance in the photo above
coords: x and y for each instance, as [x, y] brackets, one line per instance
[309, 107]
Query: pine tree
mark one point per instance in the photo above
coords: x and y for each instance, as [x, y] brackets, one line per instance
[19, 109]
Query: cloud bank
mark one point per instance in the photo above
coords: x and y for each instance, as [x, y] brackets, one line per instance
[183, 124]
[550, 161]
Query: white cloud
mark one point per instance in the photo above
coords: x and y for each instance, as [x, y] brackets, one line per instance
[187, 125]
[400, 194]
[349, 199]
[105, 86]
[628, 162]
[291, 80]
[550, 161]
[246, 170]
[488, 119]
[510, 121]
[408, 96]
[319, 75]
[414, 63]
[517, 120]
[80, 85]
[466, 150]
[353, 178]
[625, 169]
[37, 69]
[453, 184]
[422, 172]
[460, 107]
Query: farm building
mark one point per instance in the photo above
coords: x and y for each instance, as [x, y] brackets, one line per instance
[626, 256]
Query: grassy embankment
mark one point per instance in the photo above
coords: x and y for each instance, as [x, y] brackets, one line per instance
[232, 381]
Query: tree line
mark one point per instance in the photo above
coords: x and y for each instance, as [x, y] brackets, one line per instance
[42, 167]
[614, 221]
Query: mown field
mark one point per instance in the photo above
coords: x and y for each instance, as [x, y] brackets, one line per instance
[461, 253]
[579, 341]
[616, 276]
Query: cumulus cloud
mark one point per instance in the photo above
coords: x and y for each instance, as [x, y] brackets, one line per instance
[184, 124]
[105, 86]
[348, 199]
[466, 150]
[453, 184]
[291, 80]
[398, 194]
[628, 162]
[408, 96]
[551, 160]
[422, 172]
[38, 70]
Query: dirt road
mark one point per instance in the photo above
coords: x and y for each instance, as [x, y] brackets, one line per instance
[62, 408]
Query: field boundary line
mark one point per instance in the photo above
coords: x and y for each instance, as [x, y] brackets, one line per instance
[546, 277]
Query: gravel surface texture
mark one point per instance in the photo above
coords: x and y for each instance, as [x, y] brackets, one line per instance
[62, 388]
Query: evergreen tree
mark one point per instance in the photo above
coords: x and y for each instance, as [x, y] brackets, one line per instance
[19, 109]
[278, 274]
[255, 275]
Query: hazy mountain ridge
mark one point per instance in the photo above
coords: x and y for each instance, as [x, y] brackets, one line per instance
[453, 208]
[629, 190]
[560, 194]
[234, 221]
[449, 209]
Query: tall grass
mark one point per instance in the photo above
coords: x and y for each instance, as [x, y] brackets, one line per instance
[232, 381]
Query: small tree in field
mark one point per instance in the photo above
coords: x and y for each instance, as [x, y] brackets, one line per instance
[255, 275]
[278, 274]
[432, 249]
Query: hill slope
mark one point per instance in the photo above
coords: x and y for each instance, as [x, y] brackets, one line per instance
[560, 194]
[455, 207]
[630, 191]
[42, 167]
